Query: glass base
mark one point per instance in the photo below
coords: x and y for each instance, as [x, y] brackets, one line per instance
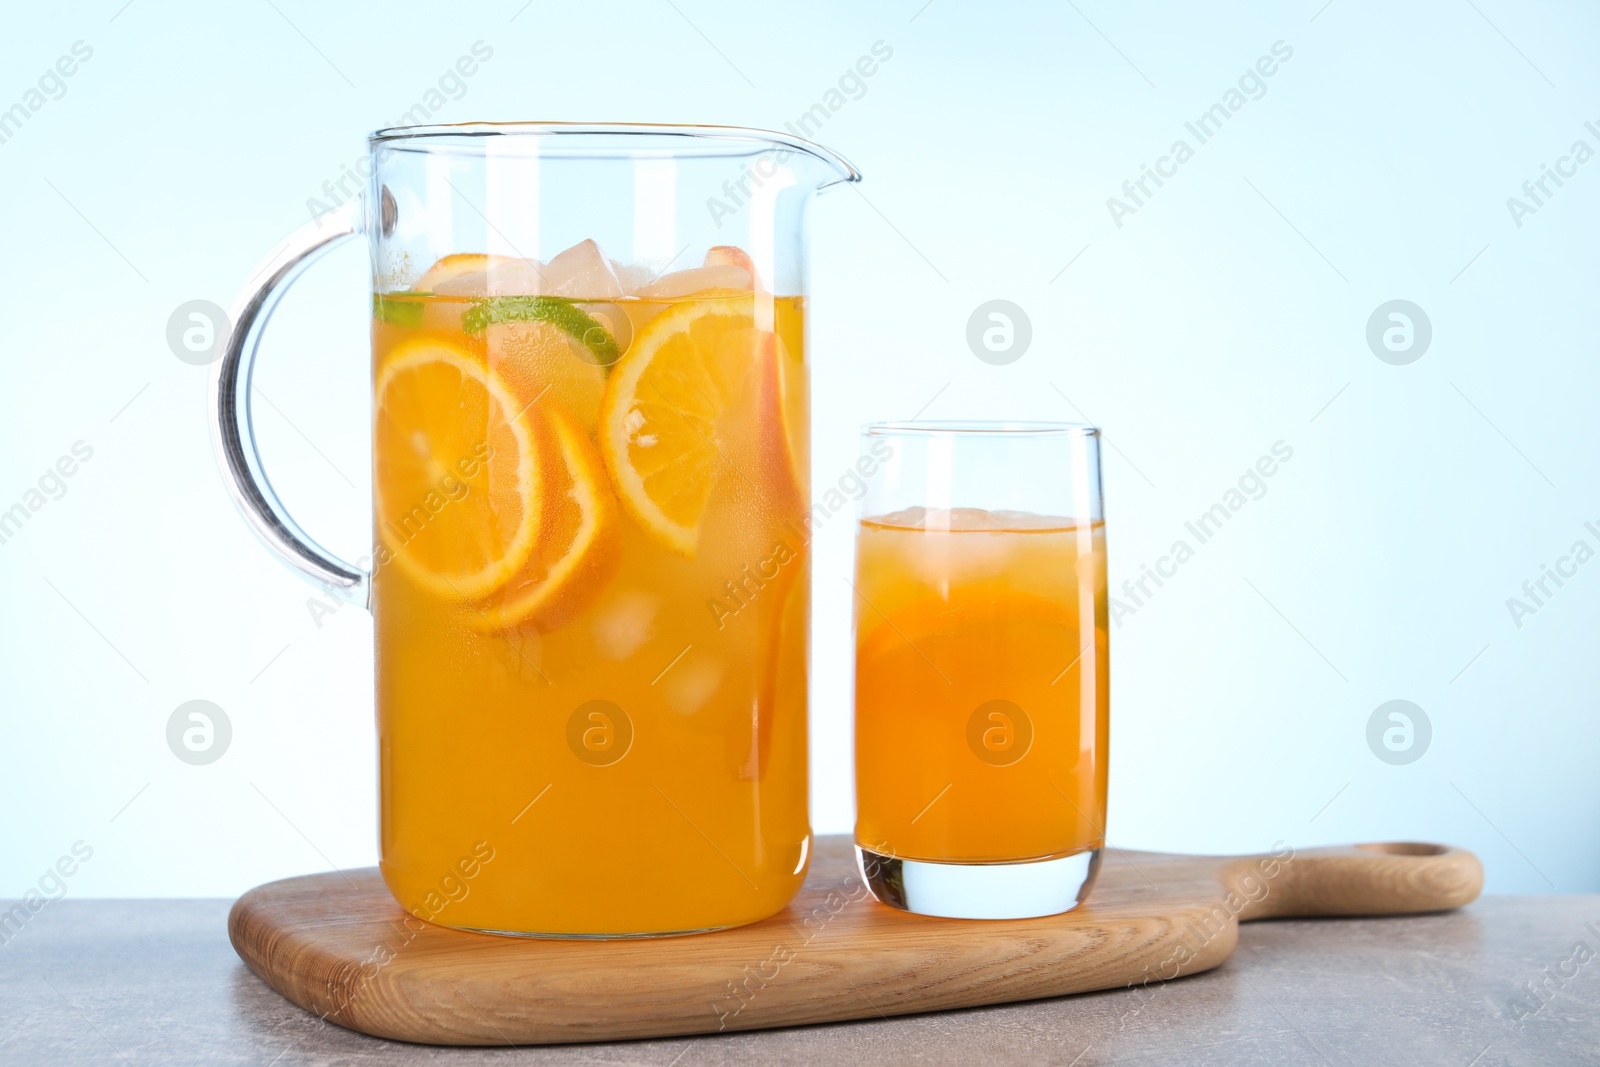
[1025, 890]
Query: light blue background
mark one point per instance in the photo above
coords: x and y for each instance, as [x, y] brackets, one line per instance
[1227, 314]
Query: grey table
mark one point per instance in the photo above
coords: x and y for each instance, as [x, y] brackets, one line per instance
[1503, 981]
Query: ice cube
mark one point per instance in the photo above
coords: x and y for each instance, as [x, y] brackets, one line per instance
[973, 519]
[472, 283]
[511, 277]
[907, 518]
[582, 271]
[518, 277]
[625, 623]
[691, 684]
[695, 280]
[633, 276]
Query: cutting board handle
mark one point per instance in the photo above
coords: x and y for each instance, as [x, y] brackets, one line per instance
[1385, 878]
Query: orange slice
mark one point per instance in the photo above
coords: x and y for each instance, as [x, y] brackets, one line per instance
[456, 478]
[579, 545]
[454, 266]
[696, 394]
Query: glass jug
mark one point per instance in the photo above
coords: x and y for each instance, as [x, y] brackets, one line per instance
[589, 571]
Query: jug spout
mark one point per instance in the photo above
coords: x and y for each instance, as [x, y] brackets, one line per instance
[822, 167]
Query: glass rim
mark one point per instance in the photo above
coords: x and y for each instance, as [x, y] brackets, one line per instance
[977, 428]
[733, 140]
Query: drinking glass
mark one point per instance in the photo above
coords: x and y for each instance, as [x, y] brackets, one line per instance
[981, 696]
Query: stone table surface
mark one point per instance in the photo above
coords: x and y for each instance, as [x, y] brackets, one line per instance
[1508, 980]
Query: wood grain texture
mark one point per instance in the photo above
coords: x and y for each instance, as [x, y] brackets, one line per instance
[340, 947]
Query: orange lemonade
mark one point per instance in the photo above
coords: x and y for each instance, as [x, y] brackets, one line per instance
[982, 702]
[590, 595]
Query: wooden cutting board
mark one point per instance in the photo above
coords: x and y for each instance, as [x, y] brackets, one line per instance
[340, 947]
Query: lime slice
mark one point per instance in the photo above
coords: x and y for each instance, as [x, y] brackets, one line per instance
[403, 313]
[557, 311]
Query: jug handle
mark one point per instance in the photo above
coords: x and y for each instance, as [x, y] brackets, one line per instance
[232, 426]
